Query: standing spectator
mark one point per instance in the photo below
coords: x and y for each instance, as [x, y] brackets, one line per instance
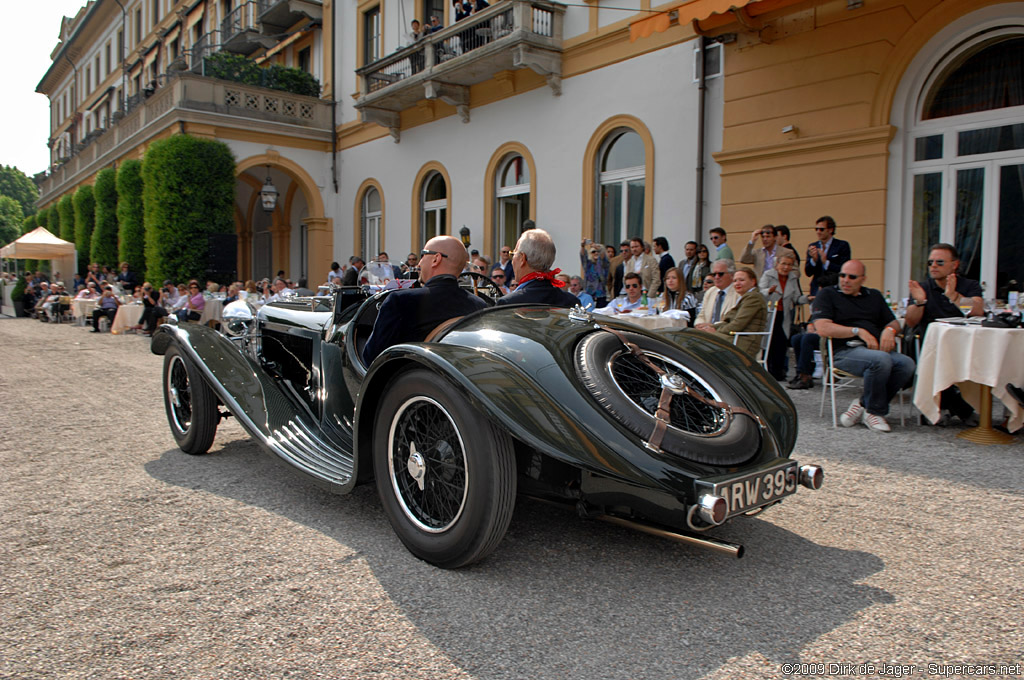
[826, 256]
[939, 296]
[782, 241]
[126, 278]
[77, 282]
[412, 261]
[699, 271]
[722, 249]
[781, 286]
[335, 275]
[665, 259]
[106, 307]
[616, 270]
[643, 264]
[382, 258]
[719, 299]
[505, 262]
[152, 312]
[93, 275]
[763, 258]
[435, 24]
[462, 9]
[863, 329]
[690, 250]
[355, 264]
[498, 276]
[594, 260]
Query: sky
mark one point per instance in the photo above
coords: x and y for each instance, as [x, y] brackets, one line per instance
[25, 52]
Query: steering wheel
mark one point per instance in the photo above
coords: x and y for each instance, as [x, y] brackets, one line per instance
[483, 286]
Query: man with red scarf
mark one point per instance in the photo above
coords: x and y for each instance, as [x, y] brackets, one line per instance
[532, 260]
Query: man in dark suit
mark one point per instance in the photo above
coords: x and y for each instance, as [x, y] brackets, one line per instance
[408, 315]
[826, 256]
[532, 260]
[665, 261]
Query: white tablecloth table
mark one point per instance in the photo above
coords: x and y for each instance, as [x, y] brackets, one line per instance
[212, 310]
[980, 361]
[650, 321]
[82, 310]
[127, 316]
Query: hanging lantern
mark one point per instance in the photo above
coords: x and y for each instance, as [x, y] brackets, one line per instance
[464, 233]
[268, 194]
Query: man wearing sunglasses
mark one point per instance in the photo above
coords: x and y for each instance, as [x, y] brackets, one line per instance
[863, 331]
[629, 301]
[826, 256]
[721, 297]
[943, 294]
[409, 314]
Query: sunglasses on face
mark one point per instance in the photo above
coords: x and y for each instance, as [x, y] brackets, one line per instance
[937, 263]
[497, 276]
[849, 276]
[820, 228]
[767, 233]
[717, 274]
[632, 285]
[432, 252]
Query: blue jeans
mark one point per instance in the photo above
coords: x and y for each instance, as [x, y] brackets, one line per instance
[884, 373]
[804, 345]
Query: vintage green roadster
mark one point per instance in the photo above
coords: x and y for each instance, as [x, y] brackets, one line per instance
[671, 432]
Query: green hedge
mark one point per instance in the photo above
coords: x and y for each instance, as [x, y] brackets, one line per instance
[103, 249]
[84, 203]
[66, 214]
[131, 231]
[29, 224]
[228, 66]
[11, 220]
[188, 194]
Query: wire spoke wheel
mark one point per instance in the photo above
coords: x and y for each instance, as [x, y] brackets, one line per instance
[180, 395]
[427, 462]
[190, 404]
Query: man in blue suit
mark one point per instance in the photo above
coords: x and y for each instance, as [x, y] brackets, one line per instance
[532, 260]
[409, 315]
[826, 256]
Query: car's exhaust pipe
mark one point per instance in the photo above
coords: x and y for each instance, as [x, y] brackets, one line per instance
[715, 544]
[812, 476]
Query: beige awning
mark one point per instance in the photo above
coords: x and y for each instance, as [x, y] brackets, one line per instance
[691, 12]
[38, 244]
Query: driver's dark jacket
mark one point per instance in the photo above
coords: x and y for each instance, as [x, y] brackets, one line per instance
[409, 315]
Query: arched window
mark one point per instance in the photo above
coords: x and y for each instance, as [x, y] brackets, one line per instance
[371, 223]
[512, 194]
[434, 206]
[966, 161]
[621, 187]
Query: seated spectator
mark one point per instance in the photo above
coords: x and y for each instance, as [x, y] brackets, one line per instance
[863, 329]
[939, 296]
[412, 261]
[676, 295]
[781, 285]
[107, 307]
[498, 276]
[77, 282]
[195, 303]
[280, 291]
[804, 346]
[153, 311]
[749, 314]
[42, 293]
[383, 259]
[596, 267]
[576, 288]
[51, 307]
[720, 298]
[532, 260]
[88, 292]
[628, 302]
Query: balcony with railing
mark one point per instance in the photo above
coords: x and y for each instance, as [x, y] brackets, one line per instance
[277, 16]
[443, 65]
[183, 98]
[240, 32]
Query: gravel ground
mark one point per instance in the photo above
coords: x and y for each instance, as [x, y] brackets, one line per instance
[124, 558]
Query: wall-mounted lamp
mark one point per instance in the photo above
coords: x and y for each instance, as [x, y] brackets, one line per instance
[464, 235]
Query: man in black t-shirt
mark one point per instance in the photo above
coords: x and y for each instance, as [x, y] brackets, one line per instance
[941, 296]
[863, 331]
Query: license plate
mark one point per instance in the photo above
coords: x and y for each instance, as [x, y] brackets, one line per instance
[759, 488]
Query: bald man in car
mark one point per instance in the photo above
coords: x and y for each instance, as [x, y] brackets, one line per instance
[408, 315]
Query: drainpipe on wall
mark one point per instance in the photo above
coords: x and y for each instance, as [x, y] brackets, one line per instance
[698, 221]
[334, 103]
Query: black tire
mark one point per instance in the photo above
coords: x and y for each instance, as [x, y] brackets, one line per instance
[190, 404]
[460, 508]
[630, 390]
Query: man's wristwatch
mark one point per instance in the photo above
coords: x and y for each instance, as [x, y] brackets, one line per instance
[856, 331]
[919, 303]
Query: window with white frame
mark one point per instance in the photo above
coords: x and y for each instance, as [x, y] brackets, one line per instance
[966, 161]
[372, 223]
[621, 187]
[434, 208]
[512, 195]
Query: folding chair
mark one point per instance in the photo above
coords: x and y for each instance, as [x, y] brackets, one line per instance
[838, 379]
[766, 335]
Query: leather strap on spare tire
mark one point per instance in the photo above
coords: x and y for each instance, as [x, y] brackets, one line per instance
[661, 414]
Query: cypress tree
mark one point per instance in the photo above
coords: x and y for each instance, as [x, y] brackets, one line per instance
[104, 236]
[84, 203]
[131, 231]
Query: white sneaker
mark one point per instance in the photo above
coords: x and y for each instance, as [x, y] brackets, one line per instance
[876, 423]
[853, 415]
